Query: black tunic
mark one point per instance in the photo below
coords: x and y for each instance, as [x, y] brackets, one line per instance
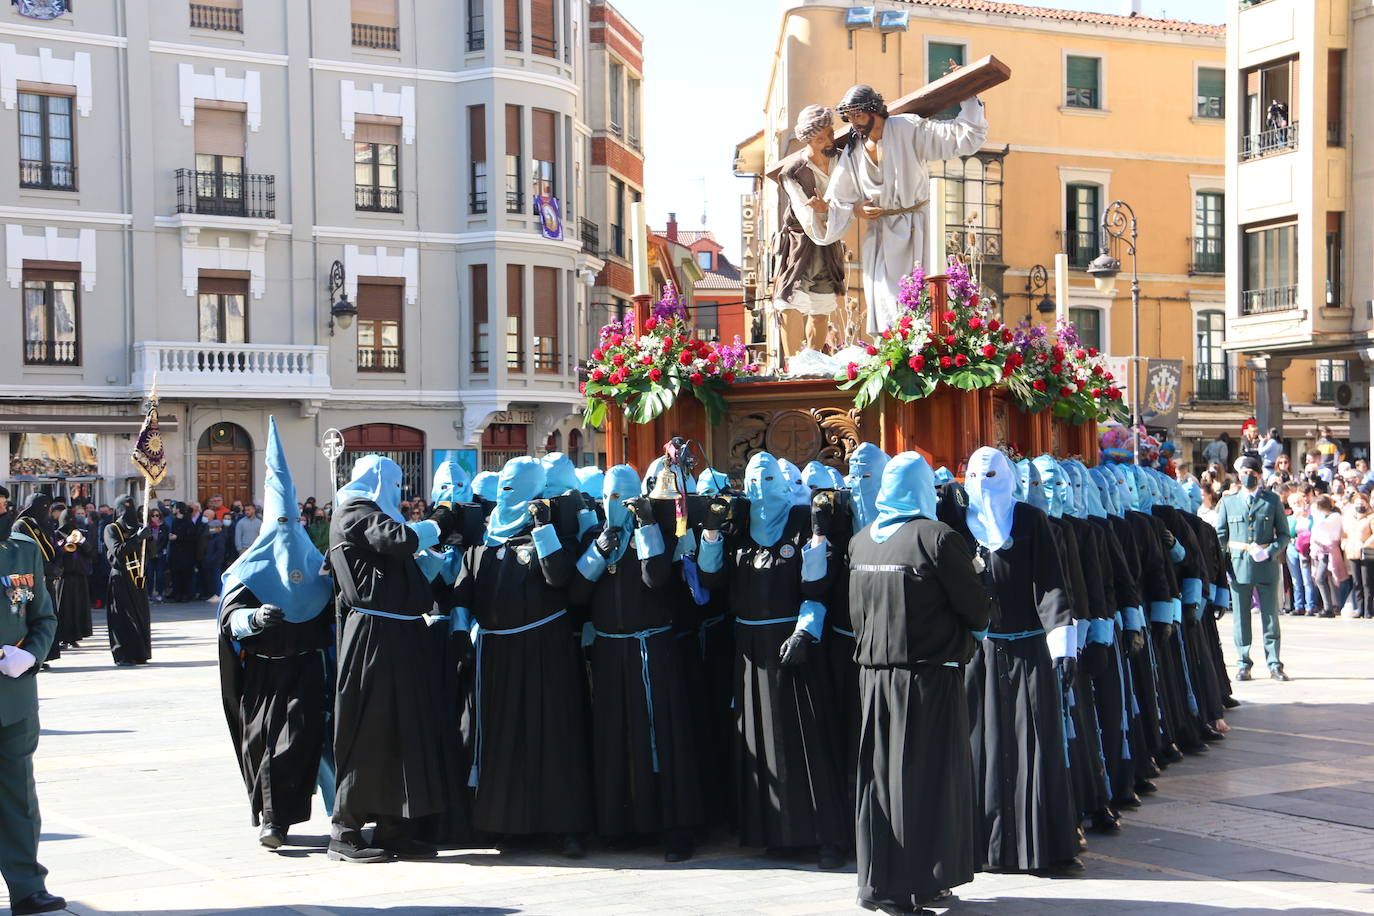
[277, 686]
[1087, 763]
[645, 765]
[532, 761]
[390, 757]
[1156, 585]
[127, 616]
[1112, 686]
[788, 765]
[914, 600]
[74, 589]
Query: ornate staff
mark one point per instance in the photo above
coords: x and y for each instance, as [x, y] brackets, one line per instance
[151, 462]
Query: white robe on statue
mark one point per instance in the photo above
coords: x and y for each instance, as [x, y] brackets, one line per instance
[890, 247]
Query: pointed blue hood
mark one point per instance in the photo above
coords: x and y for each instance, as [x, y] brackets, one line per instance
[1032, 485]
[1054, 485]
[522, 480]
[712, 482]
[560, 476]
[907, 491]
[801, 495]
[377, 479]
[990, 482]
[590, 480]
[282, 567]
[1087, 487]
[619, 484]
[865, 477]
[770, 498]
[451, 483]
[485, 485]
[818, 476]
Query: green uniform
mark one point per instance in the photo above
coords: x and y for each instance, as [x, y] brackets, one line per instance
[34, 622]
[1243, 521]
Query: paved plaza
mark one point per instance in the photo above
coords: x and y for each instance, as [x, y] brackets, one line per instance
[144, 812]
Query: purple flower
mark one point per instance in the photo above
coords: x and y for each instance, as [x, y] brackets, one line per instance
[962, 287]
[670, 307]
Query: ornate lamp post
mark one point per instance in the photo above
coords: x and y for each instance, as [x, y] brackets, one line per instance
[1118, 222]
[341, 311]
[1038, 281]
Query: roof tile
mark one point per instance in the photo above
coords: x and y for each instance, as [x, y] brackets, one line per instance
[1040, 12]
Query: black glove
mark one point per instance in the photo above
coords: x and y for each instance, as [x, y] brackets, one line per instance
[793, 651]
[269, 615]
[539, 511]
[446, 519]
[822, 513]
[1132, 641]
[1093, 659]
[643, 511]
[1218, 611]
[608, 542]
[1169, 539]
[146, 532]
[1068, 670]
[717, 513]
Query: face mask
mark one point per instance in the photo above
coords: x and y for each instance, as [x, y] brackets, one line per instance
[1250, 480]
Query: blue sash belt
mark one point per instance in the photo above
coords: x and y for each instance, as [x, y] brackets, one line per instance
[1024, 634]
[643, 637]
[764, 623]
[387, 614]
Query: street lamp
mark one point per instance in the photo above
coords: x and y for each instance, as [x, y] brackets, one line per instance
[1118, 222]
[341, 311]
[1038, 280]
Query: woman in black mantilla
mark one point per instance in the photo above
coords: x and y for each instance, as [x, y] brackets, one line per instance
[74, 589]
[127, 617]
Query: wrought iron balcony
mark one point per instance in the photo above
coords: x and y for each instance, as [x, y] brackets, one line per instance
[376, 198]
[385, 37]
[226, 194]
[218, 18]
[231, 370]
[51, 176]
[52, 353]
[591, 235]
[1269, 142]
[1268, 299]
[544, 45]
[1209, 255]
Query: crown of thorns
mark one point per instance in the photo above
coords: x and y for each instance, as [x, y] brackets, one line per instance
[861, 98]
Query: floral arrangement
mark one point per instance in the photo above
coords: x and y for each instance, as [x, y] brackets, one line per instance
[1056, 372]
[643, 371]
[967, 347]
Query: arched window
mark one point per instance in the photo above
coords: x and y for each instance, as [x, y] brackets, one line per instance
[575, 446]
[554, 442]
[402, 444]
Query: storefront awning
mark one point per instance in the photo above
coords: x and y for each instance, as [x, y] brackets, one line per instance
[82, 423]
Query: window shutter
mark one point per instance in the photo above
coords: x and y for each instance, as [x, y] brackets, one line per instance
[379, 301]
[542, 28]
[478, 278]
[546, 302]
[545, 134]
[229, 286]
[1083, 73]
[375, 12]
[477, 133]
[219, 132]
[377, 132]
[513, 130]
[515, 291]
[514, 38]
[939, 54]
[1211, 84]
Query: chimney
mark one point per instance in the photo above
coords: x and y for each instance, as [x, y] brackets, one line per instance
[1131, 7]
[671, 233]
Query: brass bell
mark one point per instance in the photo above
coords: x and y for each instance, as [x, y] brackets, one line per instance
[823, 499]
[666, 486]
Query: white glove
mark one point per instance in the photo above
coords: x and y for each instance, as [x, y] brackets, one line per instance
[16, 661]
[1259, 554]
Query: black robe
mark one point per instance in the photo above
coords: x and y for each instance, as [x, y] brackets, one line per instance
[1025, 809]
[532, 759]
[789, 771]
[1156, 585]
[127, 616]
[1112, 692]
[74, 588]
[1171, 655]
[914, 600]
[277, 686]
[839, 649]
[390, 758]
[645, 765]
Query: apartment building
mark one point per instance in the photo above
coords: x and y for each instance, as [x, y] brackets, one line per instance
[366, 215]
[1300, 214]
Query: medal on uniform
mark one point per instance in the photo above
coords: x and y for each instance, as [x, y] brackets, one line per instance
[523, 554]
[787, 551]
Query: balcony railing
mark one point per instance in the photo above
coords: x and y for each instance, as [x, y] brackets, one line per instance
[1221, 382]
[1209, 255]
[218, 18]
[231, 370]
[381, 359]
[1268, 299]
[477, 34]
[376, 198]
[386, 37]
[591, 235]
[226, 194]
[52, 353]
[544, 45]
[1269, 142]
[515, 201]
[52, 176]
[1081, 247]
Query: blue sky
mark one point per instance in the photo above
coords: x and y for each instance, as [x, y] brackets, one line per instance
[705, 65]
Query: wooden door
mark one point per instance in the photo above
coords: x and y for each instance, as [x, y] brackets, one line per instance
[229, 474]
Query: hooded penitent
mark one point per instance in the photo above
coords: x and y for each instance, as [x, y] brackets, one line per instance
[560, 475]
[801, 495]
[1052, 482]
[376, 479]
[770, 499]
[1073, 492]
[907, 491]
[1144, 493]
[1106, 490]
[452, 484]
[590, 481]
[1125, 487]
[1087, 486]
[818, 476]
[990, 483]
[522, 479]
[621, 483]
[486, 485]
[712, 482]
[282, 566]
[866, 465]
[1031, 485]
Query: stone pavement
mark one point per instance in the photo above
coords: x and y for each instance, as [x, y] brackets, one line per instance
[144, 812]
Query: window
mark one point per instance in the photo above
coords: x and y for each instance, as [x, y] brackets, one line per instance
[515, 317]
[515, 38]
[973, 204]
[481, 324]
[704, 260]
[379, 326]
[1082, 223]
[477, 25]
[1211, 93]
[477, 159]
[616, 81]
[1083, 78]
[618, 217]
[374, 24]
[634, 93]
[1271, 109]
[50, 316]
[1089, 324]
[543, 29]
[1213, 372]
[515, 172]
[222, 306]
[939, 56]
[544, 138]
[1209, 232]
[1335, 258]
[1270, 266]
[706, 318]
[219, 161]
[376, 178]
[46, 157]
[546, 315]
[1335, 97]
[1330, 374]
[217, 15]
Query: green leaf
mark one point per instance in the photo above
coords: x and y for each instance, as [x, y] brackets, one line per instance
[872, 388]
[910, 386]
[711, 400]
[595, 415]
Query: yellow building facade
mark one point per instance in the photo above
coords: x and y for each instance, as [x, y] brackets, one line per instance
[1098, 108]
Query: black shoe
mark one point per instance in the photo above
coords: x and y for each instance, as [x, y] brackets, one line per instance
[1104, 821]
[272, 837]
[830, 857]
[350, 848]
[1277, 674]
[40, 902]
[1145, 787]
[1069, 868]
[573, 847]
[1198, 748]
[1242, 674]
[677, 853]
[889, 907]
[1211, 734]
[1148, 770]
[1230, 702]
[1130, 802]
[1173, 754]
[404, 848]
